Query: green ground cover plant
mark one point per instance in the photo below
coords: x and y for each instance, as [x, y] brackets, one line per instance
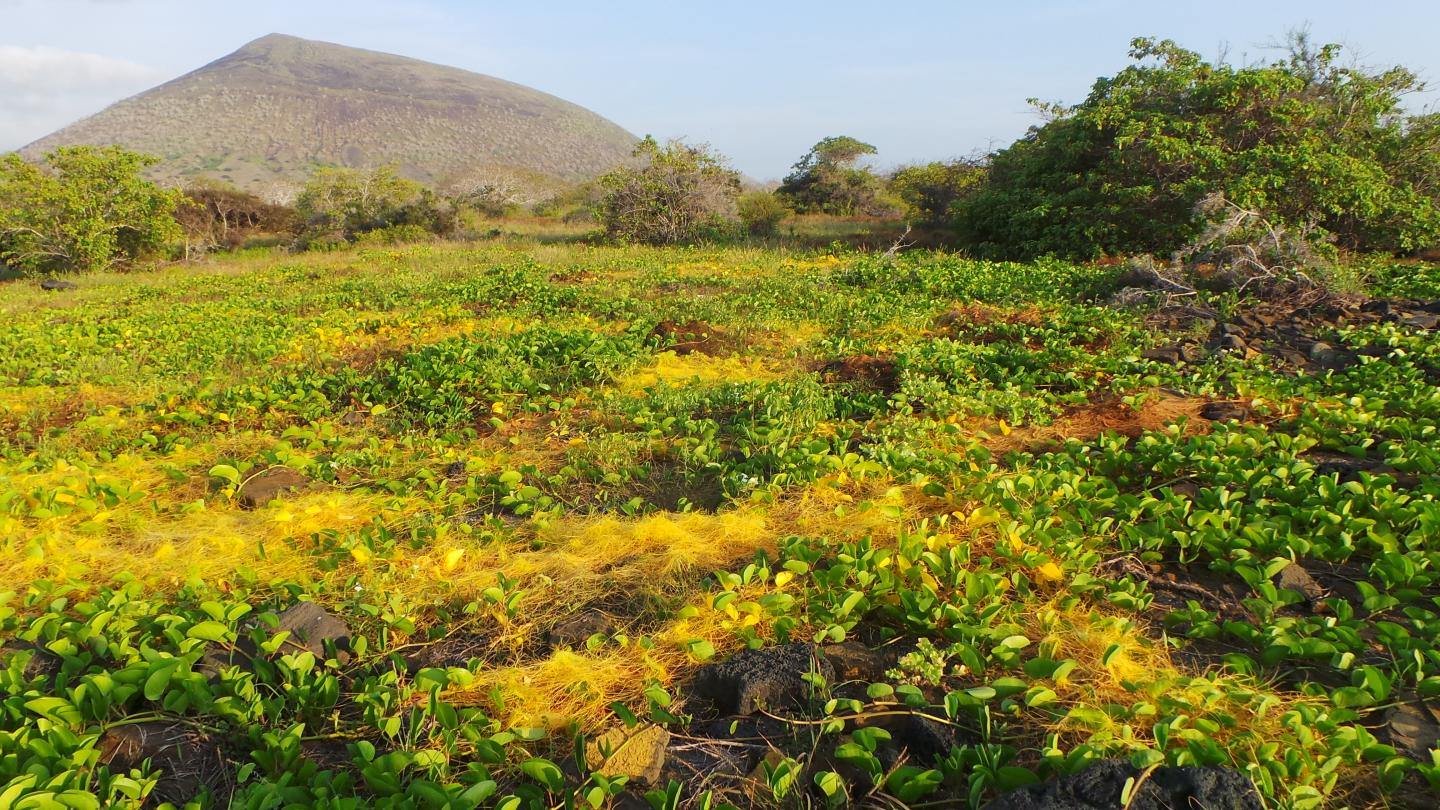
[979, 471]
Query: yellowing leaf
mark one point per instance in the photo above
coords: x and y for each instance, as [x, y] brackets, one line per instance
[1050, 572]
[452, 558]
[360, 553]
[982, 516]
[784, 577]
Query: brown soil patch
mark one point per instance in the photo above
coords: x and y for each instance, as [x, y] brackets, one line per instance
[879, 373]
[1108, 415]
[691, 337]
[670, 488]
[977, 314]
[664, 486]
[573, 277]
[187, 760]
[452, 651]
[61, 415]
[368, 358]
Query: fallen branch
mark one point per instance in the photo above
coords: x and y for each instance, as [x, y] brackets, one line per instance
[899, 244]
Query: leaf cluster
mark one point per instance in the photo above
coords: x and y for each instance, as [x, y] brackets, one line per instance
[1310, 143]
[83, 209]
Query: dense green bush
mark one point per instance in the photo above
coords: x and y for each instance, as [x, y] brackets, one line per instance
[929, 190]
[1305, 143]
[828, 181]
[681, 193]
[350, 201]
[401, 234]
[344, 203]
[84, 209]
[761, 212]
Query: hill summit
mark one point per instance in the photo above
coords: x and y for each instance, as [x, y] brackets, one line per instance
[280, 106]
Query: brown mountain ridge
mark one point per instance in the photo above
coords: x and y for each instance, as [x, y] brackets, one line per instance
[271, 112]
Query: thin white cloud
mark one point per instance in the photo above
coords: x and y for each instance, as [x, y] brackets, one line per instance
[43, 88]
[43, 68]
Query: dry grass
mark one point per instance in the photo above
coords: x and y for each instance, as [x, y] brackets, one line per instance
[205, 543]
[566, 689]
[674, 370]
[586, 561]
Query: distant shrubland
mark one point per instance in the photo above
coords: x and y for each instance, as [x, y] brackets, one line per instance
[1162, 158]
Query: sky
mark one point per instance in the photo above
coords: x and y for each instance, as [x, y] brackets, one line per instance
[759, 81]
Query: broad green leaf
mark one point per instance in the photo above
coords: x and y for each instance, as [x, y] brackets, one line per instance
[209, 631]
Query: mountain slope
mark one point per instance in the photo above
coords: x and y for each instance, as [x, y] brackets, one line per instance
[280, 106]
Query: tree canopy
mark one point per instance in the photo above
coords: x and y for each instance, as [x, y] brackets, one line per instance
[827, 180]
[929, 190]
[1306, 142]
[679, 193]
[343, 204]
[83, 209]
[353, 201]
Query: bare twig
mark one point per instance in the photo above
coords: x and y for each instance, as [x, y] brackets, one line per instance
[899, 244]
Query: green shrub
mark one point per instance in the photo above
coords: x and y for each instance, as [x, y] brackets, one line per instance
[394, 235]
[1320, 149]
[761, 212]
[325, 243]
[828, 181]
[929, 190]
[351, 201]
[575, 204]
[429, 212]
[85, 209]
[682, 193]
[346, 203]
